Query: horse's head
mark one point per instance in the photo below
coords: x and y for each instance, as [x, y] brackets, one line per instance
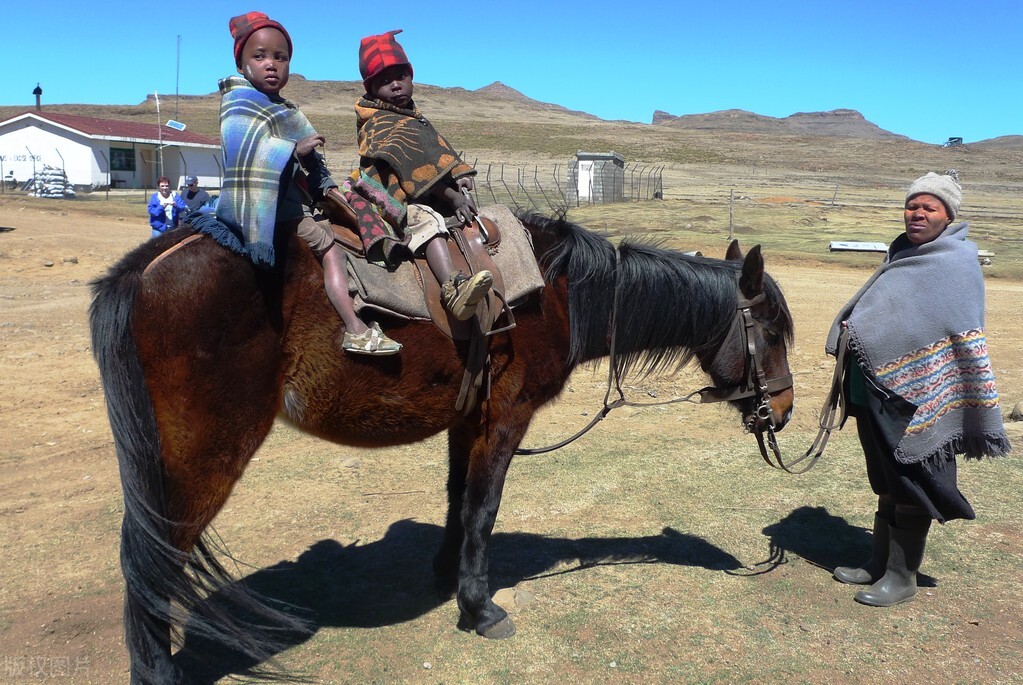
[750, 367]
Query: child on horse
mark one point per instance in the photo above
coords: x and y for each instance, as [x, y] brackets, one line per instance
[406, 166]
[272, 169]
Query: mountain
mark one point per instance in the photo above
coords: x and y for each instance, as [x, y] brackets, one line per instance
[842, 123]
[1001, 142]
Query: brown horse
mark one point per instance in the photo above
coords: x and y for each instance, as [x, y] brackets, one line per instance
[200, 353]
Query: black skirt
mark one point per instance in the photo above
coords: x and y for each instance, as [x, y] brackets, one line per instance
[931, 485]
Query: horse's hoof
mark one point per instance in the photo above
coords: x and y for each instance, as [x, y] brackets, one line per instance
[504, 628]
[498, 631]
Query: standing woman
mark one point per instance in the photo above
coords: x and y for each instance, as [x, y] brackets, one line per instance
[165, 208]
[919, 383]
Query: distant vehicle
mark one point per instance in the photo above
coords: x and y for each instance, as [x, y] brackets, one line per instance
[952, 142]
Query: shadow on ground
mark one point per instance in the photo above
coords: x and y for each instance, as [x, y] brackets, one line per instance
[822, 539]
[389, 581]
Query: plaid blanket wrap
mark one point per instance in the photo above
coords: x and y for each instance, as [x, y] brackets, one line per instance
[258, 135]
[917, 328]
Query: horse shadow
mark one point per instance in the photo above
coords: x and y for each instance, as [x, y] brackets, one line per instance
[823, 540]
[389, 581]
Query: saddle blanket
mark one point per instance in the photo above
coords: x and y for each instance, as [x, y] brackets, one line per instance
[398, 291]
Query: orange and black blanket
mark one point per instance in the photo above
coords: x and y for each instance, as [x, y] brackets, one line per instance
[403, 158]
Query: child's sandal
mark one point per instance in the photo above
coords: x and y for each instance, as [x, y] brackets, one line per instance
[373, 341]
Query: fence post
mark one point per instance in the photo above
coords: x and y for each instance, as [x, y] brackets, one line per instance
[731, 212]
[536, 182]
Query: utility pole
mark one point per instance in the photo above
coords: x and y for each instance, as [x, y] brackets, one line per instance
[159, 136]
[177, 78]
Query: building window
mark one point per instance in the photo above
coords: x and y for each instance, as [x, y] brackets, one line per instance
[122, 159]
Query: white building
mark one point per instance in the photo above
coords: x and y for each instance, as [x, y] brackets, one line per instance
[96, 153]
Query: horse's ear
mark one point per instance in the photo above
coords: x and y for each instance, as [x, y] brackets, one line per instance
[733, 253]
[751, 283]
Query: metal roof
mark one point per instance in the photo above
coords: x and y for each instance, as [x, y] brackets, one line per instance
[117, 130]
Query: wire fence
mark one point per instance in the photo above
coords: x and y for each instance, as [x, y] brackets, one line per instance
[552, 188]
[561, 186]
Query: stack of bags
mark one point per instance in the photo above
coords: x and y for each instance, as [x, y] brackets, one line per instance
[52, 182]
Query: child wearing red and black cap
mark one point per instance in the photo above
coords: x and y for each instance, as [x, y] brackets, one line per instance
[409, 171]
[273, 172]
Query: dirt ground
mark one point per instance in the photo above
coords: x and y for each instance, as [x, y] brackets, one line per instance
[60, 587]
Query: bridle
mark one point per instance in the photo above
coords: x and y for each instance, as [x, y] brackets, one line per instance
[754, 383]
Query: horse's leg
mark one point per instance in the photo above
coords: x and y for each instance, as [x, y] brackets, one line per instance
[445, 564]
[211, 358]
[489, 455]
[206, 443]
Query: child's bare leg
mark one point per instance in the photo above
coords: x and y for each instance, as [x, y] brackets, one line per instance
[459, 292]
[439, 259]
[335, 281]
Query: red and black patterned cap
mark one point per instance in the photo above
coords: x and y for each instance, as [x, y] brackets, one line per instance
[244, 25]
[376, 53]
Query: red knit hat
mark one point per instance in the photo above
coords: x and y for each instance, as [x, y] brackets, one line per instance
[244, 25]
[376, 53]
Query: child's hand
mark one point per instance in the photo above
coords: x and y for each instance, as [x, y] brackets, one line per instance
[309, 143]
[465, 208]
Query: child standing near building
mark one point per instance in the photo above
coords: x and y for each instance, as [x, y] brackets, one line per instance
[272, 169]
[409, 171]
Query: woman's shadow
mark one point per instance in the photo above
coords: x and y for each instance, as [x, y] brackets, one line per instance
[822, 539]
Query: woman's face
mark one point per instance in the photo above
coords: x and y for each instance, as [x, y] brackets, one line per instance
[926, 217]
[165, 188]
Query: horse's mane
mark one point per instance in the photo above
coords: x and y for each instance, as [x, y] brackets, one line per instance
[671, 305]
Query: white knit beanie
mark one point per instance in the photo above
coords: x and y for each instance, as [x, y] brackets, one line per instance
[945, 187]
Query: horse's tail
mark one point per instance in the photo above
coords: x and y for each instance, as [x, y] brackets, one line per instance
[160, 596]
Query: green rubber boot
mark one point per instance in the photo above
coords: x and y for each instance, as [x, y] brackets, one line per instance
[875, 567]
[898, 584]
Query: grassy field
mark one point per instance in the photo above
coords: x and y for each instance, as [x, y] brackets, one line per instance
[658, 549]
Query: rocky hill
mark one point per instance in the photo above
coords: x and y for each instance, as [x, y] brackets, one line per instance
[842, 123]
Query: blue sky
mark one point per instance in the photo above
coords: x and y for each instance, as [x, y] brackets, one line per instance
[927, 70]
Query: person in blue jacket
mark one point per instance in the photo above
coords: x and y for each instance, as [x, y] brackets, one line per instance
[165, 208]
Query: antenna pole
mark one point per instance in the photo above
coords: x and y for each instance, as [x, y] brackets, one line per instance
[177, 78]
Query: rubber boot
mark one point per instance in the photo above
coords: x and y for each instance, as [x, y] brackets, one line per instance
[905, 554]
[875, 567]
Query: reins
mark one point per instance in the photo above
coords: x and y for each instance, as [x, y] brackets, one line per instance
[755, 384]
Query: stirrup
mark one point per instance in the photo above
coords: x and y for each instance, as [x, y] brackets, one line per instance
[373, 342]
[460, 293]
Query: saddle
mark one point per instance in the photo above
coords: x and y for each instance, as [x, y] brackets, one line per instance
[411, 291]
[390, 289]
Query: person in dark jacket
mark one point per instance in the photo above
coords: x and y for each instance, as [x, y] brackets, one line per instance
[194, 196]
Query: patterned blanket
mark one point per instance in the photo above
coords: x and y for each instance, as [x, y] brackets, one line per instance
[403, 158]
[917, 327]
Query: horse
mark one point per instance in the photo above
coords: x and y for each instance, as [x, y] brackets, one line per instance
[199, 353]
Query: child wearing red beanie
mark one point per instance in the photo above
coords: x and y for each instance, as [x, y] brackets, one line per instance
[273, 172]
[408, 171]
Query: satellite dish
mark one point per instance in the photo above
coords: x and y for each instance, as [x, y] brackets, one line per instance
[176, 125]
